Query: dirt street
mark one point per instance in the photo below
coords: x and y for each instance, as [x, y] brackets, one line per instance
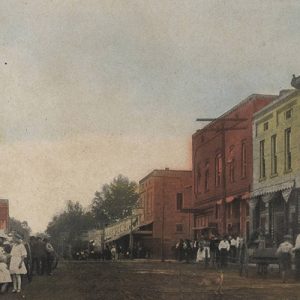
[130, 280]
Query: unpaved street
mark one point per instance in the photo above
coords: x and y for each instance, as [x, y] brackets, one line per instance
[150, 280]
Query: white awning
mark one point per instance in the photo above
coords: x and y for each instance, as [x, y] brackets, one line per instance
[274, 188]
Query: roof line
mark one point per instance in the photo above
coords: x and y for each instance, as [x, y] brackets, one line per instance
[235, 107]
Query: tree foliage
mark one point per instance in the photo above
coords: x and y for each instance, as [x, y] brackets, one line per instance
[70, 224]
[115, 201]
[20, 227]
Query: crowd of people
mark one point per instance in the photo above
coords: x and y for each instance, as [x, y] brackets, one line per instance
[19, 257]
[111, 252]
[219, 251]
[215, 250]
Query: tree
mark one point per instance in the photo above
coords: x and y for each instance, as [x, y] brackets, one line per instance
[70, 224]
[115, 201]
[20, 227]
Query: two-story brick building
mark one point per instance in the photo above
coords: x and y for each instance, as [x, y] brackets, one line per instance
[163, 194]
[275, 203]
[222, 169]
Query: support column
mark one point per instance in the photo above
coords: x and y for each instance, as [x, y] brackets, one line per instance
[252, 220]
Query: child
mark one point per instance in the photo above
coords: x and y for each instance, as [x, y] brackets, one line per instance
[4, 274]
[17, 266]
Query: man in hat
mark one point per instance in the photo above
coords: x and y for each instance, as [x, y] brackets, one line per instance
[284, 253]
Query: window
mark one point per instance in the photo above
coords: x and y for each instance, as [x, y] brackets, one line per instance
[262, 167]
[179, 227]
[216, 211]
[244, 160]
[273, 155]
[206, 183]
[179, 201]
[198, 178]
[288, 154]
[247, 210]
[288, 114]
[231, 171]
[229, 210]
[266, 126]
[218, 169]
[231, 164]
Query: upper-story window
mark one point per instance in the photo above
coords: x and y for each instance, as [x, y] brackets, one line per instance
[266, 126]
[179, 201]
[273, 154]
[244, 160]
[287, 147]
[218, 169]
[231, 162]
[206, 182]
[262, 164]
[288, 114]
[198, 178]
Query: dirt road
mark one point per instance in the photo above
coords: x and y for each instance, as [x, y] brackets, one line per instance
[131, 280]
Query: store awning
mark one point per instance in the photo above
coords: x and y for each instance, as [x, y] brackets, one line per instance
[273, 188]
[135, 230]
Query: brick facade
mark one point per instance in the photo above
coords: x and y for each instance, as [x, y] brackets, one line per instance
[222, 169]
[162, 195]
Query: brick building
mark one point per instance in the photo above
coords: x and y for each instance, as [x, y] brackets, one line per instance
[222, 169]
[4, 214]
[163, 194]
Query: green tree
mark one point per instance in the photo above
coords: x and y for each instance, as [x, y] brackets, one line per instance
[115, 201]
[70, 225]
[20, 227]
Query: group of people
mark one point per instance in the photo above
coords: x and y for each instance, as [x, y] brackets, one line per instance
[17, 258]
[287, 252]
[111, 251]
[13, 255]
[217, 250]
[42, 256]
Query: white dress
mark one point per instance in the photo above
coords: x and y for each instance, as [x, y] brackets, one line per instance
[17, 251]
[4, 273]
[201, 254]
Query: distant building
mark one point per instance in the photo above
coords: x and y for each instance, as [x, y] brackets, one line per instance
[163, 195]
[275, 205]
[4, 214]
[222, 170]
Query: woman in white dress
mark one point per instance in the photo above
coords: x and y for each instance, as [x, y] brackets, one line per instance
[17, 265]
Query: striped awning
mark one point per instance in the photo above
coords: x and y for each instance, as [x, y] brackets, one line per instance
[273, 188]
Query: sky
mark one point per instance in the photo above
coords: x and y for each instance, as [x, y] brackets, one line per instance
[93, 89]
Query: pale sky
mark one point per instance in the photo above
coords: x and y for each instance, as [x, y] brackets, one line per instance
[92, 89]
